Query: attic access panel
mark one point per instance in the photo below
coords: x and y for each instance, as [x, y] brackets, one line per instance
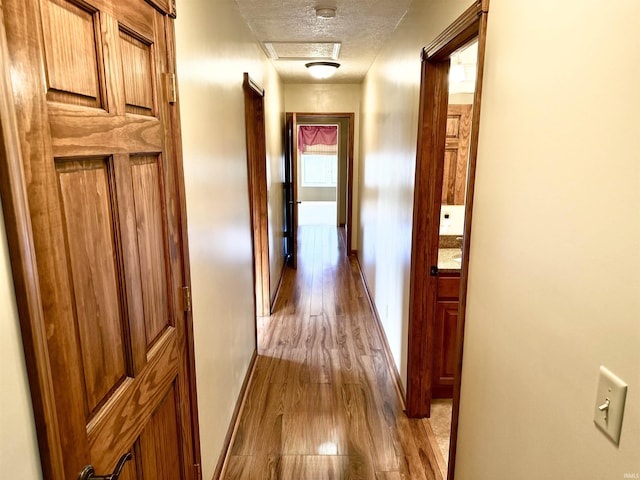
[303, 50]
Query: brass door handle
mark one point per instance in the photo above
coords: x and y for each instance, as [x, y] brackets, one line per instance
[88, 471]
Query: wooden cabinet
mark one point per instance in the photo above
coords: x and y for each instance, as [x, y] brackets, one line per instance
[444, 345]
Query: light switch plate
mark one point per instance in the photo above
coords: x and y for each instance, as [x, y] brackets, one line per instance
[613, 389]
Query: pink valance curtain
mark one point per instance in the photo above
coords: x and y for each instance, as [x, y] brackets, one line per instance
[309, 135]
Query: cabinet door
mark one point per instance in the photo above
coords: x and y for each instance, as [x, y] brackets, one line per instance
[456, 155]
[444, 348]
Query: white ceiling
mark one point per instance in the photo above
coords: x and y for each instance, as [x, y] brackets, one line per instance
[360, 27]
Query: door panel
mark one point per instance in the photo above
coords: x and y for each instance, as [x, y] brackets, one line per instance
[137, 67]
[148, 199]
[444, 349]
[157, 454]
[456, 155]
[72, 54]
[85, 192]
[444, 335]
[102, 184]
[449, 180]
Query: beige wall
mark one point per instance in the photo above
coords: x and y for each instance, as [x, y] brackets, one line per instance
[214, 48]
[315, 194]
[331, 98]
[274, 125]
[19, 457]
[554, 293]
[389, 126]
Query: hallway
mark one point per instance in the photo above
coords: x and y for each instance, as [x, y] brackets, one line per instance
[322, 403]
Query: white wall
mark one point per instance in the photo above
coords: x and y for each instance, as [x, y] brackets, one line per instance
[555, 254]
[455, 223]
[214, 48]
[460, 98]
[389, 137]
[331, 98]
[19, 458]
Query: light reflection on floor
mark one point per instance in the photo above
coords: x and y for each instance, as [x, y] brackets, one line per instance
[317, 213]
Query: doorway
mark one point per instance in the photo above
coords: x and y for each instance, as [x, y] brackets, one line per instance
[319, 177]
[437, 297]
[321, 167]
[462, 79]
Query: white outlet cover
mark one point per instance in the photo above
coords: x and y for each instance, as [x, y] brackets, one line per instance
[613, 388]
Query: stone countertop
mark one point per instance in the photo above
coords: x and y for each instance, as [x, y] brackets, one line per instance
[446, 259]
[450, 241]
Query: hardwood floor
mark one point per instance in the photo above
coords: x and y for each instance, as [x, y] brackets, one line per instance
[322, 402]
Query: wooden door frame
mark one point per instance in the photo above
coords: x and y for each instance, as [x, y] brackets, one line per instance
[434, 92]
[257, 186]
[17, 219]
[176, 138]
[22, 256]
[350, 149]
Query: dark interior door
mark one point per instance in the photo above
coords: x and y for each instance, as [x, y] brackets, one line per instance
[290, 187]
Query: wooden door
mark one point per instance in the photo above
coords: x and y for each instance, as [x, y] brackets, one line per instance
[456, 154]
[106, 338]
[258, 196]
[290, 204]
[291, 189]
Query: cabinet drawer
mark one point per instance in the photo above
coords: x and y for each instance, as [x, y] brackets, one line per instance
[449, 287]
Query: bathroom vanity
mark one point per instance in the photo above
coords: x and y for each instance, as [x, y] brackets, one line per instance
[446, 319]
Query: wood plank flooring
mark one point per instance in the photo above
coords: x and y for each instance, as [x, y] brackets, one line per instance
[322, 402]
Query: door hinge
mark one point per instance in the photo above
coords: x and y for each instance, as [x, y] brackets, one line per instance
[186, 298]
[170, 81]
[198, 470]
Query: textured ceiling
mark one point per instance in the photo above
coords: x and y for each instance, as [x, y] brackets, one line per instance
[360, 26]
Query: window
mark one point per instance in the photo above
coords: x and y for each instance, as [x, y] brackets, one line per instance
[319, 170]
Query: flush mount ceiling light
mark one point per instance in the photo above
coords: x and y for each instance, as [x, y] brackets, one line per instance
[325, 12]
[322, 70]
